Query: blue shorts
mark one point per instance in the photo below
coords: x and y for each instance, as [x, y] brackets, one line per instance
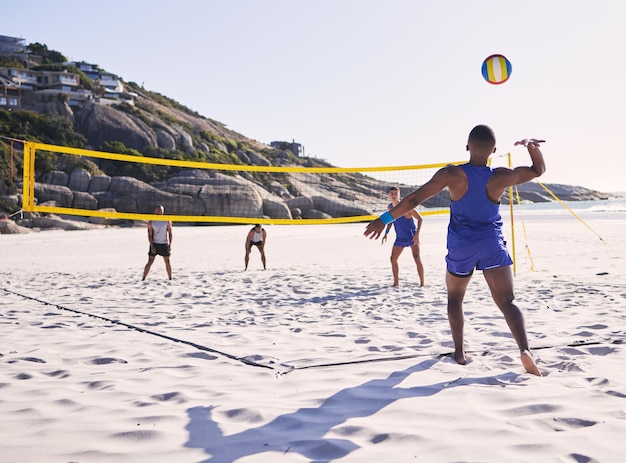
[481, 255]
[403, 243]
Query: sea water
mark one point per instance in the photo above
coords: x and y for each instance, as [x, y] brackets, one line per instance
[617, 204]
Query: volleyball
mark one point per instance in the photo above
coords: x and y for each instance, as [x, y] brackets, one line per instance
[496, 69]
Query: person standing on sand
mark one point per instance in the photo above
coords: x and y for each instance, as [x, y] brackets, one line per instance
[257, 236]
[407, 235]
[475, 239]
[160, 238]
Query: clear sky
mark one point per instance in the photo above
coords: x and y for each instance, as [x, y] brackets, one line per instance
[370, 82]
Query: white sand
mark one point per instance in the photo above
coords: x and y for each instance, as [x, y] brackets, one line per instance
[316, 359]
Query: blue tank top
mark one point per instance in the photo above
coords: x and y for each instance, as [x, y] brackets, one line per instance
[474, 217]
[405, 229]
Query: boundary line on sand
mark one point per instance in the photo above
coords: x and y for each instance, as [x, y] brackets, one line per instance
[287, 368]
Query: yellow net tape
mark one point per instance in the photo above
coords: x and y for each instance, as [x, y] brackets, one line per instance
[30, 202]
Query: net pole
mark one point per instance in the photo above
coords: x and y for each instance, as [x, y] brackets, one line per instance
[31, 192]
[512, 221]
[12, 165]
[27, 197]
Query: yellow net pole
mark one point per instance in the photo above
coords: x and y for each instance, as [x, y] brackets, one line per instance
[512, 221]
[28, 196]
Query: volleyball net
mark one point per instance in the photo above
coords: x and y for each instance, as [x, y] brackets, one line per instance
[79, 182]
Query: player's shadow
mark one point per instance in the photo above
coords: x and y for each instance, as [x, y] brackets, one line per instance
[303, 431]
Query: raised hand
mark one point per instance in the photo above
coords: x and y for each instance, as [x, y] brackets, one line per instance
[529, 142]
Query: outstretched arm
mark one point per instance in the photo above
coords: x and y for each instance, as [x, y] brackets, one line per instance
[438, 182]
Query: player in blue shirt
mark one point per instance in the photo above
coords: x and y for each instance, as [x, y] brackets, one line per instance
[475, 238]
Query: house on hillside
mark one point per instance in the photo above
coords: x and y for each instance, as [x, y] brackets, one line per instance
[111, 89]
[12, 45]
[91, 70]
[10, 94]
[21, 86]
[295, 148]
[28, 83]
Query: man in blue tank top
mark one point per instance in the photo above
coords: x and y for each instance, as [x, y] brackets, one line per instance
[475, 239]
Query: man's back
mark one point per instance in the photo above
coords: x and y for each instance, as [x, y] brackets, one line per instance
[474, 216]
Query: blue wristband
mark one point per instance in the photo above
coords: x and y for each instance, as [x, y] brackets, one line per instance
[387, 218]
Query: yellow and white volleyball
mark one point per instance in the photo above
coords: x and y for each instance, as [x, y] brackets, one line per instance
[496, 69]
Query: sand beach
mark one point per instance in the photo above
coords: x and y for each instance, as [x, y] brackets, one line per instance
[317, 359]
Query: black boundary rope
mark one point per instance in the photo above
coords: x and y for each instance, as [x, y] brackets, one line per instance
[143, 330]
[289, 367]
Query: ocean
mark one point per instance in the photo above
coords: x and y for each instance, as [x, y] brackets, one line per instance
[579, 207]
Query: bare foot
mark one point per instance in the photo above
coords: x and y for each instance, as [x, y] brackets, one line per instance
[529, 363]
[459, 357]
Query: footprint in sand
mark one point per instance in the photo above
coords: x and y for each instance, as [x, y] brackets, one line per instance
[105, 361]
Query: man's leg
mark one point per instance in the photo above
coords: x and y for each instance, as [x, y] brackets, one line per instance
[147, 267]
[500, 281]
[168, 267]
[456, 293]
[395, 270]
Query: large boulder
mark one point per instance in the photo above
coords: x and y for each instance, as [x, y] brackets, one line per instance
[276, 209]
[184, 141]
[47, 103]
[62, 195]
[165, 140]
[257, 159]
[99, 183]
[336, 207]
[302, 203]
[56, 177]
[8, 227]
[106, 220]
[231, 201]
[102, 123]
[79, 180]
[315, 214]
[279, 190]
[54, 221]
[132, 195]
[83, 200]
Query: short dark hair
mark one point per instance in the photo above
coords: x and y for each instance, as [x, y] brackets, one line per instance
[393, 188]
[483, 135]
